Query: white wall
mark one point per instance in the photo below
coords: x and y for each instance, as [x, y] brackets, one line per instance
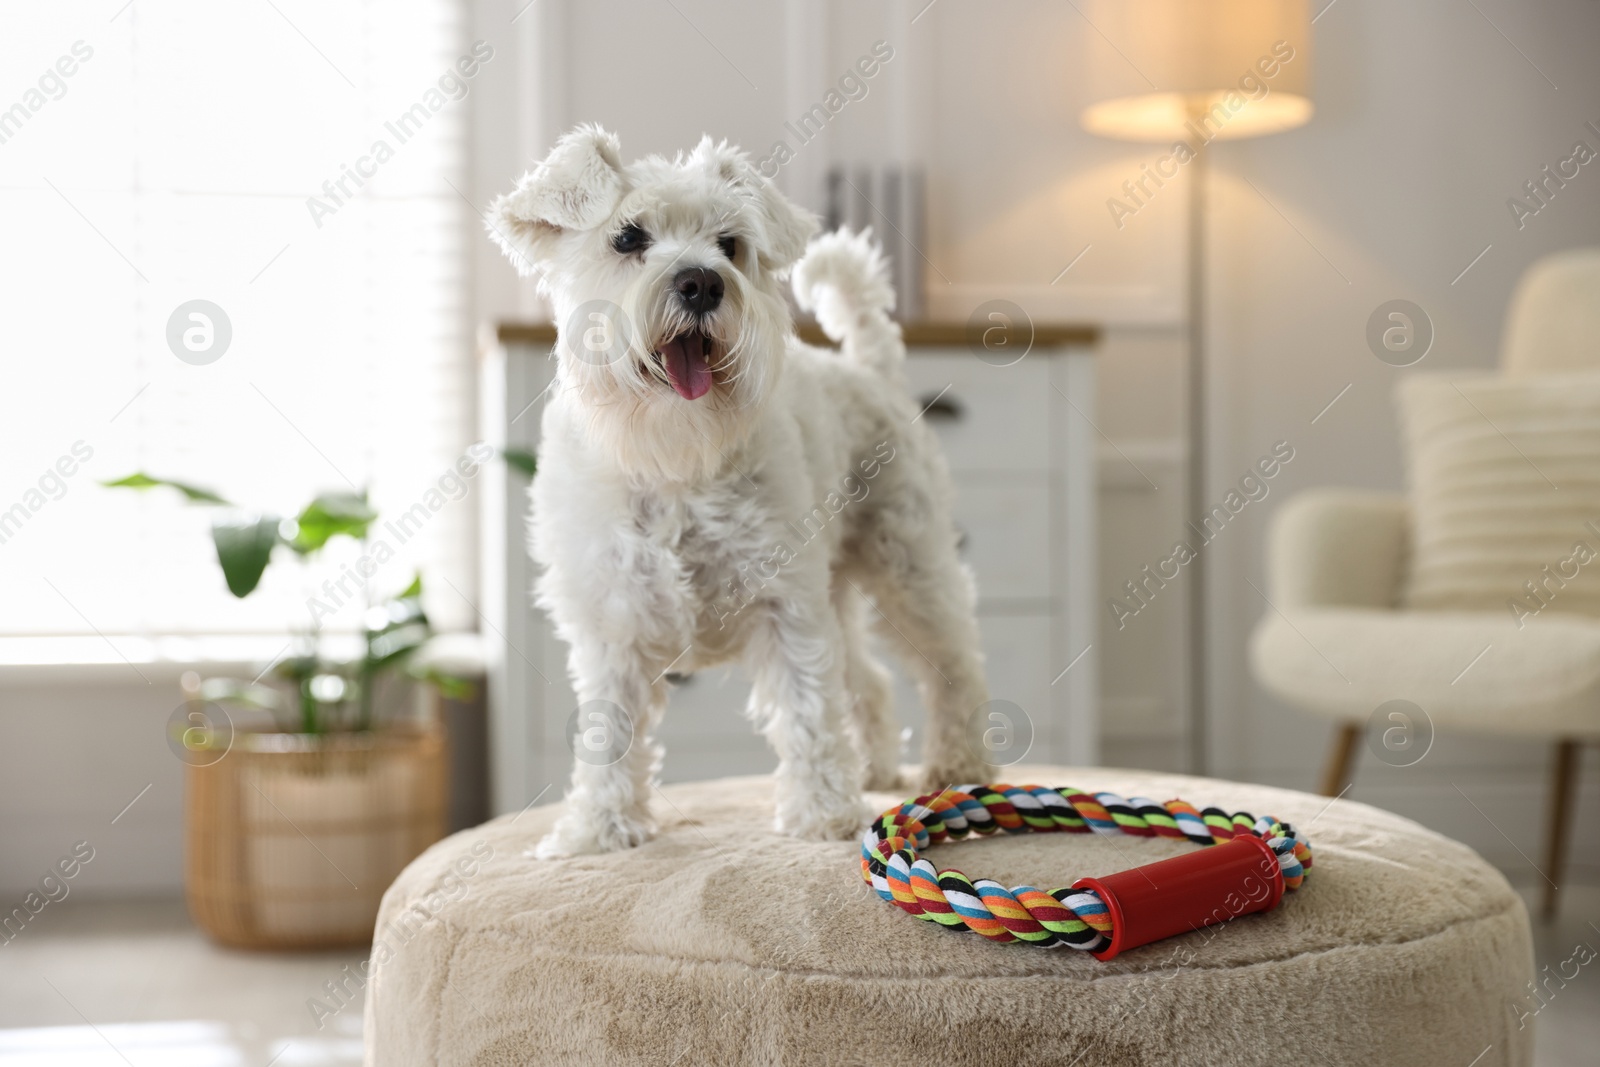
[77, 746]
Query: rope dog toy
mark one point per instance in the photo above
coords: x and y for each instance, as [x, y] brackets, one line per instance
[1252, 862]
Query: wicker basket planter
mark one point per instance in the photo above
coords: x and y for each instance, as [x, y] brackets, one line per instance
[291, 839]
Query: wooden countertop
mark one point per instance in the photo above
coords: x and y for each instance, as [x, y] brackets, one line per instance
[917, 334]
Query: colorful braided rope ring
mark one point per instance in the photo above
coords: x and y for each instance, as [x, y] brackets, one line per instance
[1078, 918]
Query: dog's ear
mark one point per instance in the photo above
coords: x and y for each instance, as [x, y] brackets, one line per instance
[576, 187]
[792, 226]
[785, 226]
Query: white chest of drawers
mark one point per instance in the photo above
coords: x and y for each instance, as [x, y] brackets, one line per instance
[1020, 444]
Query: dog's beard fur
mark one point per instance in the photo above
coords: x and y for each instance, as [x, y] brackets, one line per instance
[634, 414]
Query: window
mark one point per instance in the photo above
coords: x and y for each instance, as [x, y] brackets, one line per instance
[295, 165]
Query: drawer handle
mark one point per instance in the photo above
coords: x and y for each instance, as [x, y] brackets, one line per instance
[940, 407]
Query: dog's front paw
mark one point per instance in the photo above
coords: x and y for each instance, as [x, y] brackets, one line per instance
[589, 833]
[942, 774]
[823, 817]
[885, 780]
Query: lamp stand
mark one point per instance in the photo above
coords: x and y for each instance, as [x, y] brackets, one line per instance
[1198, 710]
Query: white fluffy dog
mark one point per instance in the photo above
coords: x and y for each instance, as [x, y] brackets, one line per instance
[711, 489]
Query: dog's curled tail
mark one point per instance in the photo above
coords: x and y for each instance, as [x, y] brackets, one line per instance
[844, 278]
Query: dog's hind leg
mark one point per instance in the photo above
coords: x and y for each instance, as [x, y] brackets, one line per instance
[799, 701]
[871, 694]
[928, 604]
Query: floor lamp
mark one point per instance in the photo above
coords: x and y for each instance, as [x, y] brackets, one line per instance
[1210, 70]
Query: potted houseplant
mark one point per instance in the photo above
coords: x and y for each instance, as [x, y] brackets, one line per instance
[307, 788]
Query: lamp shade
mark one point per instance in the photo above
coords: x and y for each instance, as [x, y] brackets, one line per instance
[1206, 69]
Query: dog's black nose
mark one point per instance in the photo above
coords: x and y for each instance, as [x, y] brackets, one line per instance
[699, 289]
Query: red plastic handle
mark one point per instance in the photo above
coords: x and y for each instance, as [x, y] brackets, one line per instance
[1187, 892]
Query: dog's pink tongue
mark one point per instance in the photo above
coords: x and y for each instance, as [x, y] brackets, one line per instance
[685, 361]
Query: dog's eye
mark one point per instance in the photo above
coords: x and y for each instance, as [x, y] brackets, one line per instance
[630, 239]
[728, 245]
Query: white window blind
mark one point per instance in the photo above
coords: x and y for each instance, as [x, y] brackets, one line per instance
[174, 163]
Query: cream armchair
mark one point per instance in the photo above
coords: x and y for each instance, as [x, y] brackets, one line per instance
[1336, 643]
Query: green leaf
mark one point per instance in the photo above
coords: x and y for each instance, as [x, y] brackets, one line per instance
[450, 686]
[244, 541]
[299, 667]
[521, 459]
[329, 515]
[405, 628]
[245, 694]
[140, 480]
[395, 643]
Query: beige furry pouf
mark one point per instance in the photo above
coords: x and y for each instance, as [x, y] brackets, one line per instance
[721, 942]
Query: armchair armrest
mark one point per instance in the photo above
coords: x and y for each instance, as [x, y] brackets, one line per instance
[1338, 547]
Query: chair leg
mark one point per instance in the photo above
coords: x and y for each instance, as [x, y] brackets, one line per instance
[1558, 821]
[1341, 759]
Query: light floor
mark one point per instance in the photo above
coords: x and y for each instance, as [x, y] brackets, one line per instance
[133, 984]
